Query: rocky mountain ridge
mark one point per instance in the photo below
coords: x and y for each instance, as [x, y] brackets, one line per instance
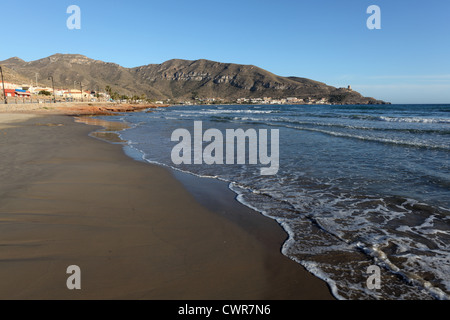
[179, 79]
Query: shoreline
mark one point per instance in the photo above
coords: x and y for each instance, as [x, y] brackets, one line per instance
[77, 108]
[132, 222]
[215, 195]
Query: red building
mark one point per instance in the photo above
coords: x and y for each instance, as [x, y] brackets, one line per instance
[10, 92]
[17, 93]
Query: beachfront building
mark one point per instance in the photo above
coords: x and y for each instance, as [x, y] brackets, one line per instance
[243, 100]
[9, 85]
[20, 93]
[293, 100]
[76, 94]
[10, 92]
[59, 93]
[278, 101]
[37, 90]
[17, 93]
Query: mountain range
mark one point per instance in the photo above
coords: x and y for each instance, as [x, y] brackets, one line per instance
[175, 79]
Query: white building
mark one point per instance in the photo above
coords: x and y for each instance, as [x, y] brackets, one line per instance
[76, 94]
[9, 85]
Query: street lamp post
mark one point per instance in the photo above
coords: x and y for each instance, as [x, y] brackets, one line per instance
[81, 89]
[53, 85]
[3, 85]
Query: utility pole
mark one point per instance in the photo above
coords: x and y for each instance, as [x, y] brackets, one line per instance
[3, 85]
[53, 85]
[81, 89]
[36, 74]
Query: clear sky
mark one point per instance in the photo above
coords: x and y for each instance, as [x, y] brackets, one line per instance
[407, 61]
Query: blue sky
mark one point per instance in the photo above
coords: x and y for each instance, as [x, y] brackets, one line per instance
[407, 61]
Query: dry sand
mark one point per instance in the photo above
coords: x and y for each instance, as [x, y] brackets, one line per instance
[134, 230]
[76, 108]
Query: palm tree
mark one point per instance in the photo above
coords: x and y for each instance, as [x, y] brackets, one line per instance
[108, 89]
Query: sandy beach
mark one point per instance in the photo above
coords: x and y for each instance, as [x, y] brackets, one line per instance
[137, 231]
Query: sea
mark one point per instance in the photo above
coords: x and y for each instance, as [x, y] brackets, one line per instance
[359, 187]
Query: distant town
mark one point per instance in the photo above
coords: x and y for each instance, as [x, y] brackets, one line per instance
[265, 100]
[29, 93]
[25, 93]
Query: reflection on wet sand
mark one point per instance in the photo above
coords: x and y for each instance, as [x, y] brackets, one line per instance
[110, 131]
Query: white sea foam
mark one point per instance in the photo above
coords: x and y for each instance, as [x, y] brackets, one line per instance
[415, 119]
[415, 144]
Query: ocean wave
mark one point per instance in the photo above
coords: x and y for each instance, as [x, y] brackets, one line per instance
[362, 224]
[393, 141]
[359, 127]
[375, 117]
[412, 278]
[282, 120]
[415, 119]
[226, 111]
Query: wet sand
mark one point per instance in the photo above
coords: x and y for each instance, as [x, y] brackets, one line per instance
[8, 120]
[137, 231]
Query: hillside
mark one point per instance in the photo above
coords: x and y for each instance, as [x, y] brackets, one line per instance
[177, 79]
[14, 77]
